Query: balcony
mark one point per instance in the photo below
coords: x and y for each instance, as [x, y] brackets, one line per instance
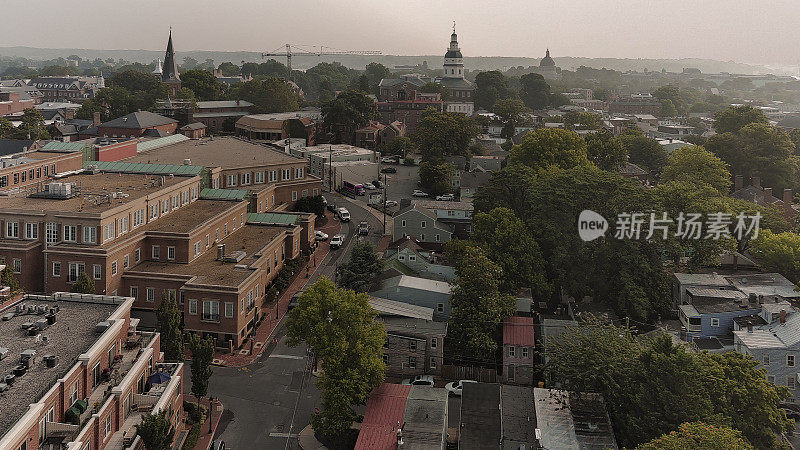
[208, 317]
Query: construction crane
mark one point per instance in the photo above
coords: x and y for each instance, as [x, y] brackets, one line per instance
[304, 51]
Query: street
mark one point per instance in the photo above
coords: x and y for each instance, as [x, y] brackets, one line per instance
[271, 400]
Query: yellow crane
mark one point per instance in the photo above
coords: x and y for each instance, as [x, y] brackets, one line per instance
[311, 52]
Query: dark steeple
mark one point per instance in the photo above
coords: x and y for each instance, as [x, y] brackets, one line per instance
[170, 70]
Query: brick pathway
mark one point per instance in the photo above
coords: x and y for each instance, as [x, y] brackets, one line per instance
[206, 437]
[264, 335]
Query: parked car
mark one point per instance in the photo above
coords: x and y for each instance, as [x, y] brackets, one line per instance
[217, 445]
[363, 228]
[419, 380]
[418, 193]
[388, 160]
[369, 186]
[390, 203]
[455, 387]
[344, 214]
[332, 207]
[337, 241]
[445, 197]
[791, 410]
[389, 170]
[295, 300]
[378, 184]
[320, 236]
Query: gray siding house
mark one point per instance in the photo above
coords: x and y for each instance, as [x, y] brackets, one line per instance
[418, 291]
[421, 223]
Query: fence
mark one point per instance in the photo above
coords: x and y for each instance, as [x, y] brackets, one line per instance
[482, 374]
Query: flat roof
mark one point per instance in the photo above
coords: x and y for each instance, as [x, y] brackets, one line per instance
[518, 416]
[207, 270]
[72, 334]
[437, 204]
[275, 218]
[185, 170]
[401, 324]
[225, 152]
[95, 191]
[425, 418]
[400, 309]
[573, 420]
[480, 416]
[223, 194]
[189, 217]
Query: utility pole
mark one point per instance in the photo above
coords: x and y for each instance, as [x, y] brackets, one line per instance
[384, 204]
[330, 167]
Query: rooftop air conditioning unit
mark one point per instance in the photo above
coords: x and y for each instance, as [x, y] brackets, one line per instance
[3, 387]
[102, 326]
[21, 308]
[9, 379]
[187, 162]
[31, 309]
[42, 309]
[8, 316]
[26, 325]
[50, 360]
[42, 324]
[3, 353]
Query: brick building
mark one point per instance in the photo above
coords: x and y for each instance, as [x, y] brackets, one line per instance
[132, 125]
[80, 374]
[635, 104]
[277, 126]
[71, 88]
[214, 113]
[402, 101]
[14, 103]
[376, 133]
[23, 170]
[194, 130]
[518, 347]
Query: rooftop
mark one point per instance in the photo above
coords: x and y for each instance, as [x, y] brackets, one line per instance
[480, 416]
[138, 120]
[189, 217]
[74, 325]
[95, 193]
[424, 284]
[573, 420]
[386, 307]
[207, 270]
[385, 409]
[518, 331]
[223, 104]
[276, 119]
[518, 416]
[425, 418]
[456, 206]
[413, 325]
[225, 152]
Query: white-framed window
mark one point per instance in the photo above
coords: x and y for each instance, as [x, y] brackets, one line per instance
[433, 362]
[198, 248]
[438, 238]
[273, 176]
[31, 230]
[89, 235]
[714, 322]
[403, 223]
[138, 217]
[412, 257]
[108, 231]
[298, 173]
[56, 268]
[107, 428]
[156, 252]
[97, 271]
[170, 252]
[229, 309]
[232, 180]
[192, 306]
[126, 261]
[16, 265]
[211, 310]
[75, 270]
[135, 292]
[154, 211]
[123, 224]
[286, 174]
[245, 178]
[524, 352]
[440, 307]
[423, 224]
[51, 232]
[259, 177]
[150, 294]
[412, 362]
[137, 255]
[512, 351]
[790, 382]
[789, 360]
[70, 233]
[12, 229]
[434, 342]
[294, 195]
[113, 268]
[385, 359]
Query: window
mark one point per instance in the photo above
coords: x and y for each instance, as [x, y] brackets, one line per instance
[385, 359]
[440, 307]
[401, 257]
[156, 252]
[198, 248]
[286, 174]
[403, 223]
[412, 345]
[437, 237]
[422, 236]
[70, 233]
[273, 175]
[294, 195]
[771, 378]
[73, 394]
[229, 309]
[17, 265]
[412, 362]
[137, 255]
[211, 310]
[433, 363]
[181, 297]
[789, 360]
[524, 352]
[12, 229]
[192, 306]
[512, 351]
[170, 252]
[135, 292]
[107, 428]
[97, 271]
[714, 322]
[790, 382]
[126, 261]
[75, 270]
[412, 257]
[31, 231]
[113, 268]
[89, 235]
[434, 342]
[298, 173]
[245, 178]
[422, 224]
[305, 193]
[123, 225]
[56, 269]
[151, 294]
[765, 360]
[231, 180]
[154, 211]
[51, 232]
[138, 217]
[108, 231]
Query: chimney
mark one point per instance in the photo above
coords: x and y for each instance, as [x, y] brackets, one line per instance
[69, 114]
[738, 182]
[756, 182]
[749, 326]
[783, 316]
[220, 252]
[767, 193]
[96, 119]
[787, 197]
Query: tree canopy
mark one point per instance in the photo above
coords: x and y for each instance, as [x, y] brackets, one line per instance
[694, 164]
[606, 151]
[156, 431]
[699, 435]
[267, 95]
[535, 91]
[645, 152]
[546, 147]
[168, 323]
[204, 84]
[490, 87]
[734, 118]
[362, 269]
[346, 113]
[435, 177]
[441, 134]
[778, 252]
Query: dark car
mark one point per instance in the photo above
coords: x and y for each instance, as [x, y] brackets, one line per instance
[378, 184]
[388, 170]
[295, 300]
[363, 228]
[332, 207]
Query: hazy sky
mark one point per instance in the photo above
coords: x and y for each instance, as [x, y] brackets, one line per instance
[756, 31]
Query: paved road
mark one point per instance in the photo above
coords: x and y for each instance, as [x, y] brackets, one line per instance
[269, 401]
[400, 185]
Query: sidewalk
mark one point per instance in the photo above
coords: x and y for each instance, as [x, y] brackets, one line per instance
[215, 414]
[274, 313]
[307, 441]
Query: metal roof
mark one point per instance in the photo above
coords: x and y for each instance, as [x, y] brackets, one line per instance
[385, 409]
[518, 331]
[273, 218]
[151, 144]
[143, 168]
[57, 146]
[223, 194]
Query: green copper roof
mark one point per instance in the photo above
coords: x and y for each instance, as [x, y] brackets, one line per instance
[150, 144]
[274, 218]
[56, 146]
[143, 168]
[223, 194]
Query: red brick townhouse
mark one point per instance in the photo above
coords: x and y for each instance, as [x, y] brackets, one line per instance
[77, 374]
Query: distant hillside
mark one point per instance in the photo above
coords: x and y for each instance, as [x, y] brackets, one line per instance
[360, 61]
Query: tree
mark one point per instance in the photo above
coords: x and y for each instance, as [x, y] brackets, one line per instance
[57, 71]
[375, 72]
[699, 435]
[229, 69]
[546, 147]
[339, 327]
[202, 354]
[156, 431]
[110, 102]
[478, 307]
[349, 111]
[734, 118]
[694, 164]
[7, 129]
[8, 278]
[606, 151]
[535, 91]
[779, 252]
[267, 95]
[509, 111]
[83, 285]
[32, 126]
[435, 177]
[311, 204]
[506, 188]
[436, 88]
[168, 323]
[441, 134]
[134, 81]
[509, 245]
[362, 84]
[204, 84]
[645, 152]
[362, 269]
[490, 87]
[399, 146]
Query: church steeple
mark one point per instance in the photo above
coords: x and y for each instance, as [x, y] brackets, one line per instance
[170, 70]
